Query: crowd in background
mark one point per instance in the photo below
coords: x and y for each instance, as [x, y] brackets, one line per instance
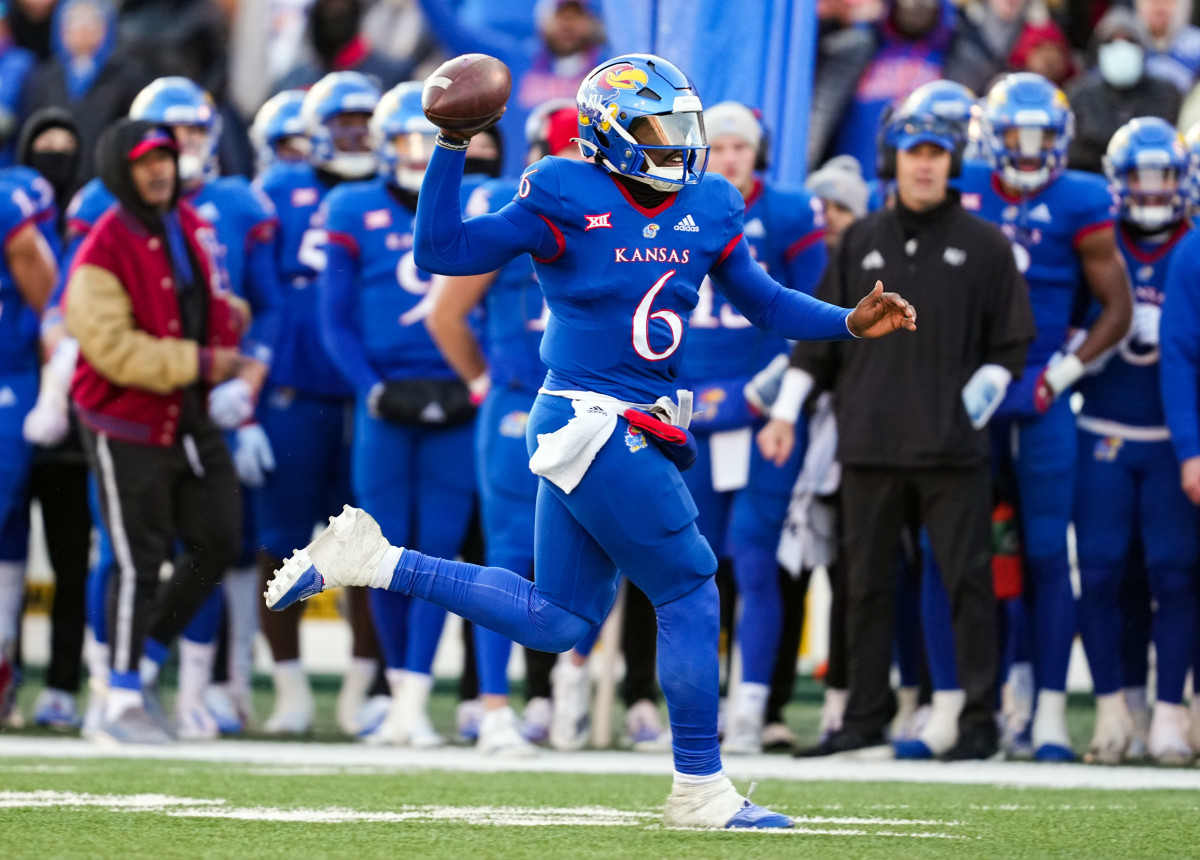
[312, 416]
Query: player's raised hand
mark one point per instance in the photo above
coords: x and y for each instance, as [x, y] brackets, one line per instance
[881, 313]
[466, 95]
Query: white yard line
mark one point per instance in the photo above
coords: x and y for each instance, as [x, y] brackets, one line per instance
[309, 759]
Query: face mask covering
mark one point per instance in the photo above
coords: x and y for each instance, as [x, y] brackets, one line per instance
[1121, 63]
[58, 168]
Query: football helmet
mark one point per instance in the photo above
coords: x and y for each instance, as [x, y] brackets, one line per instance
[939, 112]
[1027, 127]
[1147, 166]
[345, 151]
[639, 115]
[402, 136]
[177, 101]
[278, 118]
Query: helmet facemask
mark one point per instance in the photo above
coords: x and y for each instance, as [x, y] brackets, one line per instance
[1151, 197]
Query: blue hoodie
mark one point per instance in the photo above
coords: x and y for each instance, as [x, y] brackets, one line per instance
[81, 74]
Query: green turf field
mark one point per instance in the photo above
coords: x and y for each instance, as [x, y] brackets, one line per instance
[91, 808]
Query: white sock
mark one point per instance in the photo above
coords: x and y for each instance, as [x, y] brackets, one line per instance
[119, 700]
[1050, 719]
[691, 780]
[395, 679]
[96, 655]
[195, 670]
[290, 680]
[941, 732]
[1135, 699]
[241, 607]
[386, 568]
[12, 599]
[148, 671]
[752, 699]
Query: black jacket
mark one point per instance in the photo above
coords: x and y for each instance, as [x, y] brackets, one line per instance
[108, 99]
[898, 399]
[1100, 109]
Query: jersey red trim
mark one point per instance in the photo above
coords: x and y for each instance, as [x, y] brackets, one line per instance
[728, 249]
[558, 237]
[1083, 232]
[1158, 251]
[649, 213]
[345, 240]
[803, 244]
[19, 226]
[755, 193]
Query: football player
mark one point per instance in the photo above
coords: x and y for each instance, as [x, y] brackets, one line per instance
[1061, 225]
[1128, 479]
[612, 496]
[413, 458]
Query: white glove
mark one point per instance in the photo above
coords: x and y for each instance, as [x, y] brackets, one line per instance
[48, 422]
[1146, 318]
[984, 392]
[762, 389]
[252, 455]
[231, 403]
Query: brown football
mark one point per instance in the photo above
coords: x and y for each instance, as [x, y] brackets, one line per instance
[467, 93]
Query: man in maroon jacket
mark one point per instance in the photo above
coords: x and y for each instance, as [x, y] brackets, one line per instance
[155, 329]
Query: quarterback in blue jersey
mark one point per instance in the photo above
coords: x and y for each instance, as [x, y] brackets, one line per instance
[413, 457]
[742, 497]
[1128, 496]
[1061, 225]
[28, 273]
[307, 408]
[619, 282]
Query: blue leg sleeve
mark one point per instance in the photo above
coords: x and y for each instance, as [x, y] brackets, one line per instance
[935, 621]
[756, 574]
[207, 620]
[688, 673]
[389, 612]
[1136, 619]
[908, 646]
[98, 574]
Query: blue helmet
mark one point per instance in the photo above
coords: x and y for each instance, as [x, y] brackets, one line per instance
[278, 118]
[178, 101]
[343, 151]
[640, 116]
[939, 112]
[1027, 127]
[1147, 166]
[1192, 141]
[399, 115]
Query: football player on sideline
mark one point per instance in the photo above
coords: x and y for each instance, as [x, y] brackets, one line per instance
[1061, 225]
[611, 496]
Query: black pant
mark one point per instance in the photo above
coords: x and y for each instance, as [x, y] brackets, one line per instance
[60, 483]
[639, 644]
[151, 499]
[783, 679]
[954, 507]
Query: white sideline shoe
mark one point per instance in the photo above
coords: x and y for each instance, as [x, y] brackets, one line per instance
[1168, 742]
[1114, 730]
[500, 735]
[571, 723]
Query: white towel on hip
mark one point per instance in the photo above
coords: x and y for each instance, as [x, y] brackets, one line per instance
[564, 456]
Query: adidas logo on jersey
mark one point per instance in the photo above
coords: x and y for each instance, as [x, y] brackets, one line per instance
[687, 225]
[873, 260]
[433, 413]
[1041, 212]
[7, 397]
[596, 410]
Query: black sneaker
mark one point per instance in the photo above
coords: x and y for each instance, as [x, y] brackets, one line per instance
[976, 745]
[842, 741]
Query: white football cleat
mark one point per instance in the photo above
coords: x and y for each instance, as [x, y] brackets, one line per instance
[572, 690]
[352, 697]
[193, 722]
[539, 713]
[347, 552]
[500, 735]
[717, 805]
[1114, 730]
[1168, 742]
[93, 717]
[293, 711]
[467, 717]
[904, 724]
[644, 728]
[1051, 742]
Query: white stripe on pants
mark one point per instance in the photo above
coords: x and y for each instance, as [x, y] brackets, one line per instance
[127, 585]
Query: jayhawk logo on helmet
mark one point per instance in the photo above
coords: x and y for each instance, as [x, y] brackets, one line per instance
[625, 77]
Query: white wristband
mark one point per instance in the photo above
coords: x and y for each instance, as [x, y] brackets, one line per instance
[793, 391]
[852, 334]
[1064, 374]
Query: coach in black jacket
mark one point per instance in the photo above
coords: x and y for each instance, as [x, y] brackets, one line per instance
[909, 450]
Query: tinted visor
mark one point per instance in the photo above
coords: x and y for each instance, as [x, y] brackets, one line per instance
[679, 130]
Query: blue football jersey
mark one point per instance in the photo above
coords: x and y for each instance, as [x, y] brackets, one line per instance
[1045, 228]
[624, 279]
[780, 224]
[391, 293]
[1127, 389]
[19, 323]
[240, 215]
[41, 193]
[515, 312]
[300, 361]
